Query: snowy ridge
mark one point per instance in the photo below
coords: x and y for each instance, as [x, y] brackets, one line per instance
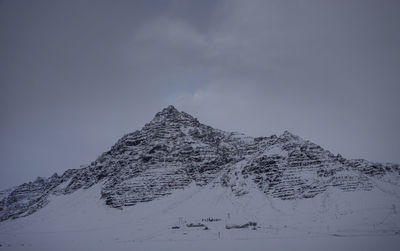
[175, 150]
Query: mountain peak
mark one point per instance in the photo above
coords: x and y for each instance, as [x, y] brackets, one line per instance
[288, 135]
[171, 114]
[170, 109]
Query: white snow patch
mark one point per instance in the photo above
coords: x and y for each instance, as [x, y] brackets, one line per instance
[81, 221]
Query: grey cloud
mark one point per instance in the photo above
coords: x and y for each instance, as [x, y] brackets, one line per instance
[77, 75]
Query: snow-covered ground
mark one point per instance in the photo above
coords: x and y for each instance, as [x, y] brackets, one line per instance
[334, 220]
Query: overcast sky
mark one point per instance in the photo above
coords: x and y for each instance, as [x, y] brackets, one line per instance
[77, 75]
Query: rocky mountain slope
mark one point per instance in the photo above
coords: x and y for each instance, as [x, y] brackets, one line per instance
[175, 150]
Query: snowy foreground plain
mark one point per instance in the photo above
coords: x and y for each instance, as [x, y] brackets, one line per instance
[334, 220]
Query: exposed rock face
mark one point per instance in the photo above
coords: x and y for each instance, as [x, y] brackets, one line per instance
[175, 149]
[289, 167]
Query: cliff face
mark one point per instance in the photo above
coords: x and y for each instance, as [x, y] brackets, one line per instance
[175, 150]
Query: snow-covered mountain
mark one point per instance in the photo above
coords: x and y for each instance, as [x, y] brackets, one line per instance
[178, 181]
[175, 150]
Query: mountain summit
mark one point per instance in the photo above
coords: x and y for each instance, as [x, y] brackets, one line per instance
[174, 151]
[172, 115]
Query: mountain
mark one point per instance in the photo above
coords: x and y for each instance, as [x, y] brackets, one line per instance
[179, 184]
[175, 150]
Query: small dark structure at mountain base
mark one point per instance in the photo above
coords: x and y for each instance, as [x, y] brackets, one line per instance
[195, 225]
[249, 224]
[211, 219]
